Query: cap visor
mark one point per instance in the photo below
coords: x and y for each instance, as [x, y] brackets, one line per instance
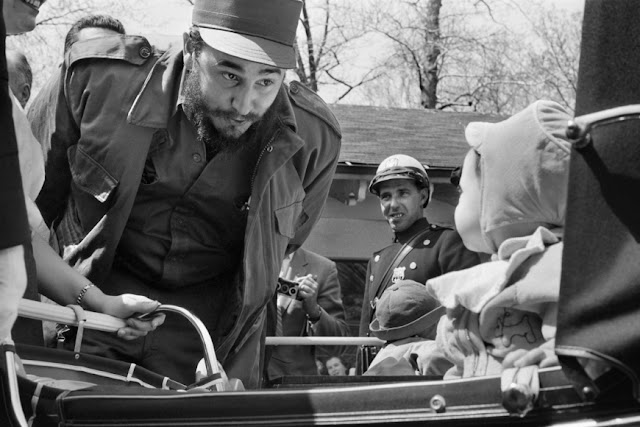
[251, 48]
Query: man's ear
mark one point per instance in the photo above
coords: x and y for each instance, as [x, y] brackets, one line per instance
[187, 50]
[25, 94]
[424, 196]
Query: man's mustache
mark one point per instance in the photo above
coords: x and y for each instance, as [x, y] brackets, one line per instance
[233, 115]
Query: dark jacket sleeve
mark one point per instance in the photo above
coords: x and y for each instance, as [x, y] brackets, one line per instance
[332, 321]
[14, 228]
[453, 254]
[60, 133]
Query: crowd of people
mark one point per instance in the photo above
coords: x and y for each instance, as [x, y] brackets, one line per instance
[193, 176]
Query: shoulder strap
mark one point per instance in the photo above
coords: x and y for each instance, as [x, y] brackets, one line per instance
[402, 253]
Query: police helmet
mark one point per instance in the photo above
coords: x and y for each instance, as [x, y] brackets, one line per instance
[401, 166]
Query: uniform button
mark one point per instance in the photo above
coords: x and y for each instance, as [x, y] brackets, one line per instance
[371, 278]
[145, 52]
[293, 88]
[376, 258]
[426, 242]
[180, 221]
[196, 157]
[413, 265]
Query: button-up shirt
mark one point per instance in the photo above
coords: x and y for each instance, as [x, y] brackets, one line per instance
[187, 223]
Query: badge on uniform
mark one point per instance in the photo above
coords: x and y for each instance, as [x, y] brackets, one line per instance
[398, 274]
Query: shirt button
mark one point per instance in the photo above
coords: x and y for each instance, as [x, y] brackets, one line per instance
[371, 278]
[197, 157]
[413, 265]
[180, 221]
[376, 258]
[426, 242]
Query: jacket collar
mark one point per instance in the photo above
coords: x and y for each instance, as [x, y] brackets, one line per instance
[161, 94]
[406, 235]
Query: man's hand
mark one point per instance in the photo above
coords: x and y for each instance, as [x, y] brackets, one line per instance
[308, 293]
[127, 305]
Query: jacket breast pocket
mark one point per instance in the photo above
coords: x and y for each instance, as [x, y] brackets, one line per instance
[89, 176]
[289, 219]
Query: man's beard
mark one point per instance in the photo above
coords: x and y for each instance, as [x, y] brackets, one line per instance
[215, 140]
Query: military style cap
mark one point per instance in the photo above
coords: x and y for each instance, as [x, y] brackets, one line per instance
[401, 166]
[404, 309]
[261, 31]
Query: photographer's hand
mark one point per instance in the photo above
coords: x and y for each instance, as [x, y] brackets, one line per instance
[308, 293]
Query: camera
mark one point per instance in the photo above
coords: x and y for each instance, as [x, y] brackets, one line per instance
[288, 287]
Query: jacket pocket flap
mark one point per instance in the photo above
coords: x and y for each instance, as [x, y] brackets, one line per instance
[287, 218]
[90, 176]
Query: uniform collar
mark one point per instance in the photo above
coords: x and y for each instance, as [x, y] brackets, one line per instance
[406, 235]
[162, 94]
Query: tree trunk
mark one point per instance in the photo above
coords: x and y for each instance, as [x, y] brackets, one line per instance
[429, 71]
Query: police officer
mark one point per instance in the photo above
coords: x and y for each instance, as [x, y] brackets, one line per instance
[419, 250]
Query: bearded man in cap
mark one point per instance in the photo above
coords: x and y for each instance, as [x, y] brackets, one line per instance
[188, 175]
[419, 251]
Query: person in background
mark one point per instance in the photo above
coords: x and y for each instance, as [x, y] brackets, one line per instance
[92, 26]
[321, 367]
[15, 238]
[336, 367]
[41, 112]
[20, 76]
[316, 311]
[187, 175]
[419, 251]
[55, 278]
[514, 182]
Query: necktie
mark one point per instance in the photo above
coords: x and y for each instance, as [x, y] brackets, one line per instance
[279, 315]
[285, 272]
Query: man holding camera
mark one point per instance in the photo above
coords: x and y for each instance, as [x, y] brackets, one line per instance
[315, 310]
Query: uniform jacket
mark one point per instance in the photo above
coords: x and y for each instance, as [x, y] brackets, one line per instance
[439, 252]
[500, 306]
[300, 360]
[116, 92]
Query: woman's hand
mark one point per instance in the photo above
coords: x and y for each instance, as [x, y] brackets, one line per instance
[543, 357]
[127, 305]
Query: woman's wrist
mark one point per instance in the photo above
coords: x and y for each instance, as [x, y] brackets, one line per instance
[91, 298]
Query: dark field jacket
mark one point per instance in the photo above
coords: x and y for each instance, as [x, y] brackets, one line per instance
[115, 93]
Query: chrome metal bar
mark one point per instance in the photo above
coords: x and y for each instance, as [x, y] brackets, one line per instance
[103, 322]
[14, 391]
[324, 341]
[210, 360]
[579, 128]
